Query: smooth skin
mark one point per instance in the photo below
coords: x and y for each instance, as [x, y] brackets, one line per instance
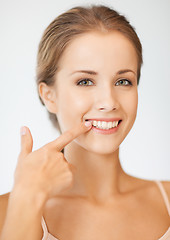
[104, 55]
[102, 201]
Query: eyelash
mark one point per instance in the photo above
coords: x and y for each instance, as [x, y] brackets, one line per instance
[86, 79]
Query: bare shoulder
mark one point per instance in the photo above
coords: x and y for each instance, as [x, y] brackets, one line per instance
[3, 208]
[149, 186]
[166, 185]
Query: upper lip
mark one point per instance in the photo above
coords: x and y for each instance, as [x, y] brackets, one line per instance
[104, 119]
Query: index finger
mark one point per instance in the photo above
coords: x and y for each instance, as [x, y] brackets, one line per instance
[70, 135]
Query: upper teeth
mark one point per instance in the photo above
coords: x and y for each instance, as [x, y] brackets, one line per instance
[105, 125]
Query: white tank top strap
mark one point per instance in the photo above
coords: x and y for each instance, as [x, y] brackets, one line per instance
[45, 236]
[164, 195]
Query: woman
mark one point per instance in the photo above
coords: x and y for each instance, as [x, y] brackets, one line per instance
[88, 71]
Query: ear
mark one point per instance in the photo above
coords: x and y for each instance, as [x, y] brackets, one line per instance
[48, 96]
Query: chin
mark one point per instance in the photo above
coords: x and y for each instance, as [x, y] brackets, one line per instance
[101, 150]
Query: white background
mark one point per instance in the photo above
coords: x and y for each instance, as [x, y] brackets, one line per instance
[145, 152]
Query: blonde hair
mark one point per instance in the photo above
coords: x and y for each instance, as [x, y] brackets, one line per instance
[70, 24]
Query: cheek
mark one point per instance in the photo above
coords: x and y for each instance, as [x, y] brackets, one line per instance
[131, 105]
[71, 109]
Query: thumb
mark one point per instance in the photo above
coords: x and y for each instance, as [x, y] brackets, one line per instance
[26, 141]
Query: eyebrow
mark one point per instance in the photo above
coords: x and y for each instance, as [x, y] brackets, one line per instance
[95, 73]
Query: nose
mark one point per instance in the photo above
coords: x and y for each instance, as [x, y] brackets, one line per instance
[106, 99]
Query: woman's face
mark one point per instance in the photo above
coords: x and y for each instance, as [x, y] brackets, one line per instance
[97, 78]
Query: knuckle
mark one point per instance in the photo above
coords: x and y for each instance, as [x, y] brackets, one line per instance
[68, 179]
[69, 174]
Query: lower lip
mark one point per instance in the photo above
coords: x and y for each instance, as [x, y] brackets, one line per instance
[105, 131]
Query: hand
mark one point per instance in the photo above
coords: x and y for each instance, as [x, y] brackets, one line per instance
[45, 170]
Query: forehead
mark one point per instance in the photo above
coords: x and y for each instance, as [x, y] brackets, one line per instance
[98, 49]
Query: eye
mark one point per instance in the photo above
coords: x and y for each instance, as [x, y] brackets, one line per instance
[84, 82]
[123, 82]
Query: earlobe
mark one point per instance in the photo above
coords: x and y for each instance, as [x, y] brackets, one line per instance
[48, 97]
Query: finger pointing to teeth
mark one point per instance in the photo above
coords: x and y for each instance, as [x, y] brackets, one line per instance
[70, 135]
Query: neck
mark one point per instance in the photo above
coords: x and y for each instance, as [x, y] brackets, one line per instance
[96, 177]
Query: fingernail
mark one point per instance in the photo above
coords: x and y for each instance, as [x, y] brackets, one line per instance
[23, 131]
[87, 123]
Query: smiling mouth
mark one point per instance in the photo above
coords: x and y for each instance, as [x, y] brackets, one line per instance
[105, 125]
